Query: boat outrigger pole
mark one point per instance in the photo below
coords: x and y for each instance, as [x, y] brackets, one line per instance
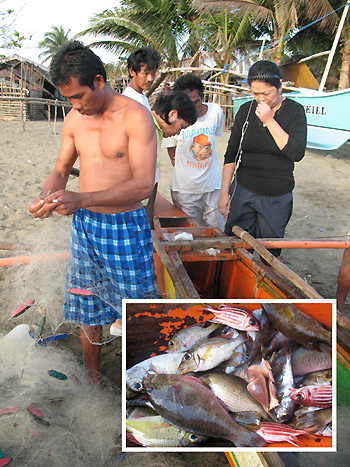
[334, 46]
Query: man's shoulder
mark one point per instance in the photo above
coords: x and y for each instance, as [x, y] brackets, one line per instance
[128, 105]
[213, 109]
[71, 120]
[136, 96]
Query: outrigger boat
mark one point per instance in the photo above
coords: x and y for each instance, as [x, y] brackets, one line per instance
[212, 265]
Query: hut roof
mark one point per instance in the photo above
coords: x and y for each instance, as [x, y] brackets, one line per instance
[14, 61]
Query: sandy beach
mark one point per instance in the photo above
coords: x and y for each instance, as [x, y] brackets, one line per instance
[321, 210]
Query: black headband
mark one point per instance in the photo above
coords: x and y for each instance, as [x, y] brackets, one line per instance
[262, 76]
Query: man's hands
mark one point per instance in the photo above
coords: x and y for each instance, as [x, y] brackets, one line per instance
[63, 202]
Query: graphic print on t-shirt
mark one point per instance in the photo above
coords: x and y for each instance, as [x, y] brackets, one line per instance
[201, 147]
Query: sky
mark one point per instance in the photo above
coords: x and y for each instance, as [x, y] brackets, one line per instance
[35, 17]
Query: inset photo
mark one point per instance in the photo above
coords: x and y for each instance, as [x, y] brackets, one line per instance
[247, 375]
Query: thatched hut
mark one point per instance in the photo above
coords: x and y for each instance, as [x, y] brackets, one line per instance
[20, 77]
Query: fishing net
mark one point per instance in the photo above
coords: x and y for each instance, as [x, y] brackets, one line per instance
[55, 416]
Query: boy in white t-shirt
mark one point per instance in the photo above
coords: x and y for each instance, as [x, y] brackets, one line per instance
[196, 180]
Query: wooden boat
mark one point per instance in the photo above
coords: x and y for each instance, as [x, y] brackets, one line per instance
[326, 115]
[215, 266]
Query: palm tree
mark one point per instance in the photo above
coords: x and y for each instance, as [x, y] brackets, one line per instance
[53, 41]
[315, 39]
[166, 26]
[274, 18]
[224, 36]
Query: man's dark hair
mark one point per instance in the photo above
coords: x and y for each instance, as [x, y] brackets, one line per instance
[265, 71]
[144, 56]
[190, 82]
[177, 100]
[76, 60]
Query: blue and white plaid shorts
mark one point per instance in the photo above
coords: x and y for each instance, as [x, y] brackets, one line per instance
[111, 256]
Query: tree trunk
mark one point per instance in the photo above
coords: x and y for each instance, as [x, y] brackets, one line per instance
[345, 66]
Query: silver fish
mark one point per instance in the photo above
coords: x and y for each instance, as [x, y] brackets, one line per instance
[208, 354]
[233, 392]
[284, 384]
[188, 337]
[164, 363]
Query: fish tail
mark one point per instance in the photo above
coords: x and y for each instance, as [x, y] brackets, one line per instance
[247, 438]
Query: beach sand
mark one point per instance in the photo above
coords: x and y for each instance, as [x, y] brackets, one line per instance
[321, 210]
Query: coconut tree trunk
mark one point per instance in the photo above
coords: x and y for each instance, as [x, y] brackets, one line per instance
[345, 66]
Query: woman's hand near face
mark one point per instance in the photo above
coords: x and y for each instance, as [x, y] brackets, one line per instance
[264, 112]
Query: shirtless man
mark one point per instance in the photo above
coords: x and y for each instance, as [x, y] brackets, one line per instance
[111, 244]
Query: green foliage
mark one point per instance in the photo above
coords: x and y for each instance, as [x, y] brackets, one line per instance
[224, 30]
[167, 26]
[52, 42]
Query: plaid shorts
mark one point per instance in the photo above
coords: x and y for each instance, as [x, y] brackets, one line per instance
[110, 256]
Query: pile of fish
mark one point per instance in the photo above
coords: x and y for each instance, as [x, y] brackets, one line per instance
[249, 378]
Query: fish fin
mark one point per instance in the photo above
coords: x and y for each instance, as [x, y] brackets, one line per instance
[195, 378]
[213, 327]
[154, 369]
[213, 320]
[222, 403]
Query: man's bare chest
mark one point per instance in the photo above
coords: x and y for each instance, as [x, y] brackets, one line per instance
[108, 142]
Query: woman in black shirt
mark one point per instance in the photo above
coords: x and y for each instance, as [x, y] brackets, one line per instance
[273, 133]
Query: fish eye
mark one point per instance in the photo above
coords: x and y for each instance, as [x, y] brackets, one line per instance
[170, 343]
[299, 396]
[252, 322]
[138, 387]
[187, 356]
[193, 437]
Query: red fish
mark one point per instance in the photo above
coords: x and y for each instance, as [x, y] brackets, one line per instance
[23, 308]
[235, 317]
[315, 396]
[275, 432]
